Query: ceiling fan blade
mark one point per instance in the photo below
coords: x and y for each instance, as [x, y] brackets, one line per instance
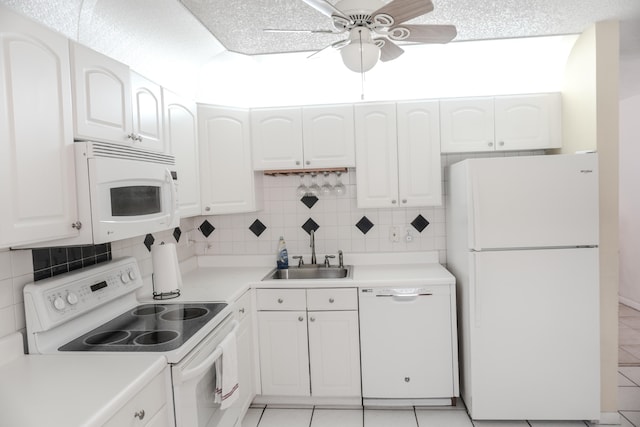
[337, 45]
[423, 33]
[402, 10]
[325, 8]
[389, 50]
[279, 30]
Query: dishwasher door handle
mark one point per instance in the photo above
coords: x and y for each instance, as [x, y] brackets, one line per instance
[399, 295]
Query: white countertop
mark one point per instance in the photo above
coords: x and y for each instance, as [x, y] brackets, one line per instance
[210, 281]
[71, 389]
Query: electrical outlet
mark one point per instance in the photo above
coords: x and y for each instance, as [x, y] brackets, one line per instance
[394, 233]
[408, 237]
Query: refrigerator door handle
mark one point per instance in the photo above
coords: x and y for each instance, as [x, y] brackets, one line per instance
[475, 211]
[476, 298]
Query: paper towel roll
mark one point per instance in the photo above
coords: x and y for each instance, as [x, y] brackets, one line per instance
[167, 279]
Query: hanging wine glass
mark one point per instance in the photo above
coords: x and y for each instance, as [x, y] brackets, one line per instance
[314, 188]
[302, 189]
[339, 188]
[326, 187]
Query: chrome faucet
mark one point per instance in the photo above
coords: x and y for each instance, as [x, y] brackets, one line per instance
[340, 259]
[313, 247]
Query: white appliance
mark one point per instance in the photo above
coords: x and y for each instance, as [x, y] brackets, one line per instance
[95, 311]
[522, 241]
[123, 192]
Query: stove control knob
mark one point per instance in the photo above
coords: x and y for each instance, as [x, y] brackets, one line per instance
[59, 304]
[124, 278]
[132, 275]
[72, 298]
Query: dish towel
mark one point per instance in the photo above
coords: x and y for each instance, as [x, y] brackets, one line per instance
[227, 373]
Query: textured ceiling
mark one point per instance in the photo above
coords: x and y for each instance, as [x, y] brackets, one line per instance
[238, 24]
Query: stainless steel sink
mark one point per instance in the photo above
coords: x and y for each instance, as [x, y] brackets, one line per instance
[310, 272]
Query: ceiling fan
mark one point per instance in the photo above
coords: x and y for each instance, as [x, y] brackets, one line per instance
[373, 27]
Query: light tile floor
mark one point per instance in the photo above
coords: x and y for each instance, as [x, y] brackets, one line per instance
[628, 395]
[629, 336]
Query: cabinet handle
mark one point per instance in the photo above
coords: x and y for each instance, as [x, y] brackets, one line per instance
[241, 310]
[490, 144]
[77, 225]
[404, 200]
[331, 300]
[407, 379]
[312, 319]
[132, 136]
[394, 201]
[280, 300]
[139, 138]
[297, 162]
[300, 318]
[307, 162]
[208, 208]
[501, 143]
[139, 414]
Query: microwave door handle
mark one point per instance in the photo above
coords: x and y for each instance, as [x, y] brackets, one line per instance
[206, 364]
[174, 196]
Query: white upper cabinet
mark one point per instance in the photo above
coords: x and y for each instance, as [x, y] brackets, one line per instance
[419, 169]
[398, 155]
[328, 136]
[228, 182]
[37, 166]
[102, 95]
[467, 124]
[181, 134]
[277, 138]
[146, 98]
[522, 122]
[376, 155]
[528, 122]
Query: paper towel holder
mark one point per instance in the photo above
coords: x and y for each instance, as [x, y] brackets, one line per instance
[165, 295]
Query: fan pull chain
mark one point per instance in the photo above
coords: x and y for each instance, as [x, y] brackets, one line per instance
[361, 68]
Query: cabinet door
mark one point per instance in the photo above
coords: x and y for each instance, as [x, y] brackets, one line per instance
[328, 136]
[334, 353]
[146, 99]
[284, 356]
[276, 138]
[528, 122]
[419, 172]
[227, 178]
[466, 124]
[180, 127]
[376, 155]
[102, 95]
[37, 166]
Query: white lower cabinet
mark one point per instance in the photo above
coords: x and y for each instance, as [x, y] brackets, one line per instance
[149, 408]
[309, 346]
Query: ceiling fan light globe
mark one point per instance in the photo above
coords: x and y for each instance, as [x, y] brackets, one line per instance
[360, 57]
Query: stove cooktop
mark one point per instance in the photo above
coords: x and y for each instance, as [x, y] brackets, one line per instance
[148, 328]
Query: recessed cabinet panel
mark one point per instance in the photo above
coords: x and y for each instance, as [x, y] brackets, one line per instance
[228, 181]
[419, 171]
[467, 125]
[147, 114]
[36, 137]
[328, 136]
[284, 354]
[102, 94]
[528, 122]
[277, 138]
[376, 154]
[180, 125]
[334, 352]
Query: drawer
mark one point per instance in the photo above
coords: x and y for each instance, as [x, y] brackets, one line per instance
[243, 306]
[332, 299]
[143, 406]
[281, 299]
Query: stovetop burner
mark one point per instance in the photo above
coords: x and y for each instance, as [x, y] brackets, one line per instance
[149, 327]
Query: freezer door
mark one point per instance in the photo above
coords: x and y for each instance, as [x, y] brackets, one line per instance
[533, 335]
[534, 201]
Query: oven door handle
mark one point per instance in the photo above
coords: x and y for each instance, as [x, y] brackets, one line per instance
[206, 364]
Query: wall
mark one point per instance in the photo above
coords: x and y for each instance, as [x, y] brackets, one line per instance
[629, 201]
[590, 120]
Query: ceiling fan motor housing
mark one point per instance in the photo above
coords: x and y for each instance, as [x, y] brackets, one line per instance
[359, 12]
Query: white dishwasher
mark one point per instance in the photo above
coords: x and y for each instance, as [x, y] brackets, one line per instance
[408, 345]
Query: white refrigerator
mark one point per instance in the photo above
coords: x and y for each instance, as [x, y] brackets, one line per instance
[522, 242]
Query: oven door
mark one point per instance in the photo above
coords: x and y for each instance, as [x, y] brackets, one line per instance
[194, 383]
[131, 197]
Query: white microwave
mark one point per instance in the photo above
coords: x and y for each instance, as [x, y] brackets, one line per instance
[125, 191]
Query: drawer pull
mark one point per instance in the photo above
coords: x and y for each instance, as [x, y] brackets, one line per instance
[280, 300]
[139, 414]
[313, 319]
[241, 310]
[300, 318]
[331, 300]
[407, 379]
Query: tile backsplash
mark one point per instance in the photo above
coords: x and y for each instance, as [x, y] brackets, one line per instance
[49, 262]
